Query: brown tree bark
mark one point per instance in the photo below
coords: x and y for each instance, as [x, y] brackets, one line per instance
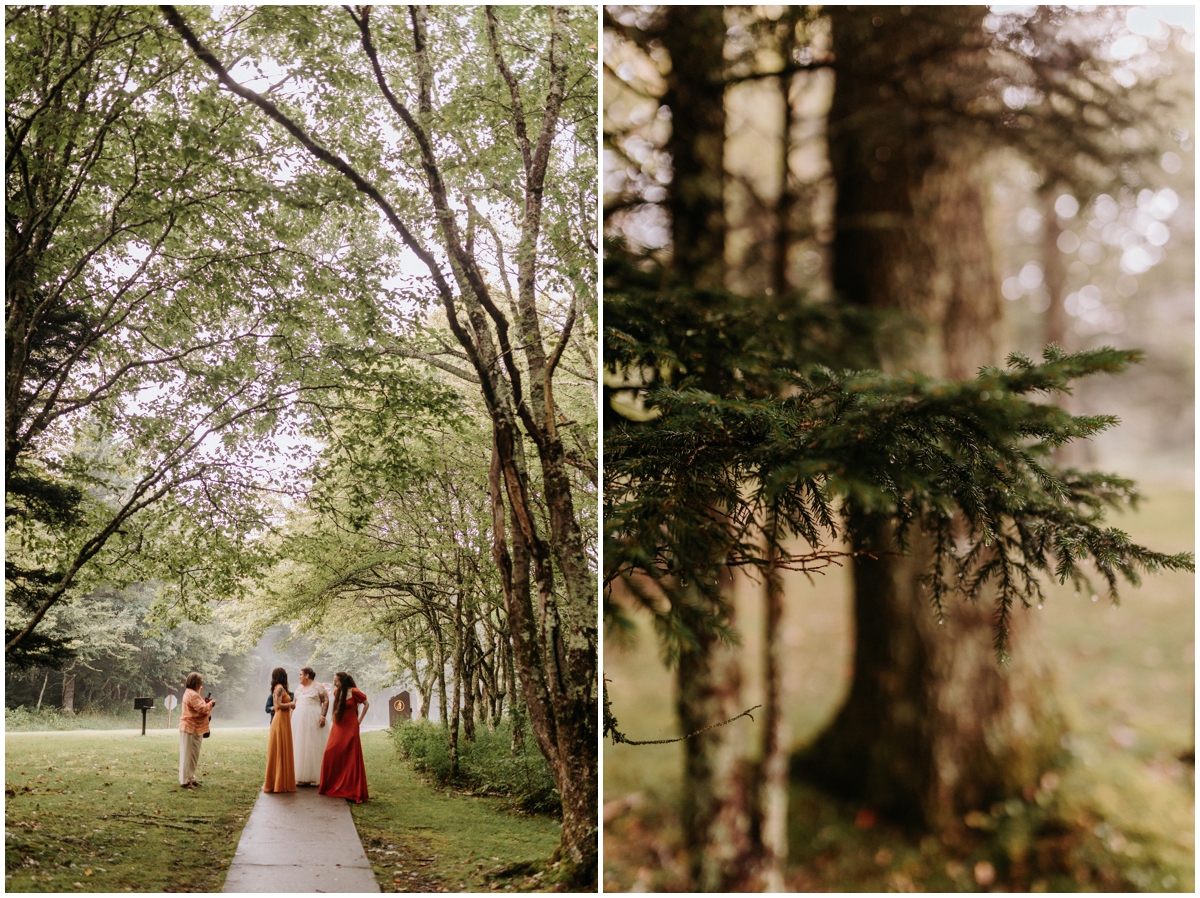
[695, 38]
[734, 794]
[933, 725]
[68, 693]
[455, 709]
[718, 775]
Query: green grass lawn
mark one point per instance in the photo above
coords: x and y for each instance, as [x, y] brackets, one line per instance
[92, 811]
[423, 840]
[1125, 677]
[95, 811]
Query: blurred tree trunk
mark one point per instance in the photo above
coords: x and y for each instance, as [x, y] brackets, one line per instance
[726, 796]
[695, 38]
[933, 725]
[787, 195]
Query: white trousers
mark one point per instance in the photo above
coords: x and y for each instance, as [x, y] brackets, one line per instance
[189, 756]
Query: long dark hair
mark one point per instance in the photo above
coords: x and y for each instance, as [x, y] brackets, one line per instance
[279, 678]
[340, 691]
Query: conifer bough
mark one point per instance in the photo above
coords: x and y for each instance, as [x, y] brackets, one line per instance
[834, 454]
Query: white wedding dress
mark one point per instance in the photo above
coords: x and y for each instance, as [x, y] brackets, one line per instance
[308, 739]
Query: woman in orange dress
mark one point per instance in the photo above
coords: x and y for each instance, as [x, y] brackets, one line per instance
[281, 764]
[343, 774]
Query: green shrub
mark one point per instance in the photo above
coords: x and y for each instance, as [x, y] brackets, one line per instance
[426, 746]
[486, 765]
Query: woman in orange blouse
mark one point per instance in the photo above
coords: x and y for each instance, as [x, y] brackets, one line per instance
[194, 712]
[281, 765]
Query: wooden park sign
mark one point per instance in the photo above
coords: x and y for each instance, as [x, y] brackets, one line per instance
[399, 708]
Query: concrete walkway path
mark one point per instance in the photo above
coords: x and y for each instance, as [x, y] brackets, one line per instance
[300, 842]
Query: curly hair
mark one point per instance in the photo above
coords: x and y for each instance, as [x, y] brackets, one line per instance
[278, 678]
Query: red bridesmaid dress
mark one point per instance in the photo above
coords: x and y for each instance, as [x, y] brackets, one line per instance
[343, 774]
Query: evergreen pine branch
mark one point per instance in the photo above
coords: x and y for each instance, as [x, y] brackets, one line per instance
[749, 427]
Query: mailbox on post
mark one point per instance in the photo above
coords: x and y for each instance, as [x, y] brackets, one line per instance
[144, 705]
[399, 708]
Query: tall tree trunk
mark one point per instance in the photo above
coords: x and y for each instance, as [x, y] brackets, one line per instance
[466, 678]
[457, 676]
[68, 693]
[695, 38]
[787, 196]
[725, 793]
[933, 724]
[43, 692]
[422, 700]
[499, 687]
[516, 705]
[441, 690]
[717, 777]
[773, 766]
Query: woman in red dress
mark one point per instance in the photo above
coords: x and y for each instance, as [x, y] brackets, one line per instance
[343, 774]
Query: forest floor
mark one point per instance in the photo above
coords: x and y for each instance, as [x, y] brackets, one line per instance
[1118, 816]
[90, 811]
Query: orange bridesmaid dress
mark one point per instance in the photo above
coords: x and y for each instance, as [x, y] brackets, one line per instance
[281, 763]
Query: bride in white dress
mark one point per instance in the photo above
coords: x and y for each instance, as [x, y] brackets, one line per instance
[309, 730]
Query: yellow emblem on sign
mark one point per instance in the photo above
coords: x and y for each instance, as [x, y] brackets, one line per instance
[399, 705]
